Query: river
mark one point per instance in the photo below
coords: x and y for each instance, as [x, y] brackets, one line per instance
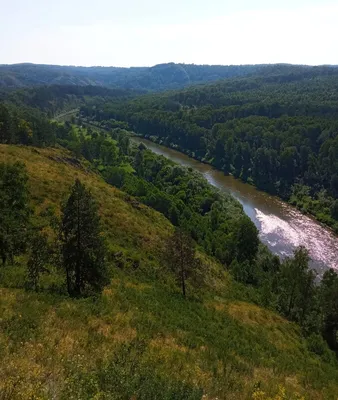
[281, 227]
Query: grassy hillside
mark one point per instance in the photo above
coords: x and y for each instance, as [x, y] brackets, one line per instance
[141, 339]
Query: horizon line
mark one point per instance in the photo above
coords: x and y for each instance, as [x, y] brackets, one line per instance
[168, 63]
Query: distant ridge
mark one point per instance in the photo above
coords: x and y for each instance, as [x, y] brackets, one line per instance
[157, 78]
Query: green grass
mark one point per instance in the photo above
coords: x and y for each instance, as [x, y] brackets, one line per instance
[141, 339]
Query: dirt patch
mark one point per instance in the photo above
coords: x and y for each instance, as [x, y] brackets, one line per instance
[69, 161]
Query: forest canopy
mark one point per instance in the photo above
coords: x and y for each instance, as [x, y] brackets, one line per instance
[279, 132]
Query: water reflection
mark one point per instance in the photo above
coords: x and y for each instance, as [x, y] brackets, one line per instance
[281, 227]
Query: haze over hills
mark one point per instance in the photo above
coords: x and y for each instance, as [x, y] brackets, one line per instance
[156, 78]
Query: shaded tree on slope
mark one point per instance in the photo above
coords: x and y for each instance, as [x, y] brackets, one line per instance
[83, 247]
[14, 210]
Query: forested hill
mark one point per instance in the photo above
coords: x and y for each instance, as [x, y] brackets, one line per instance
[279, 132]
[156, 78]
[55, 99]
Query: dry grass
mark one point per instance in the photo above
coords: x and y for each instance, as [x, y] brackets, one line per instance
[53, 347]
[251, 314]
[51, 174]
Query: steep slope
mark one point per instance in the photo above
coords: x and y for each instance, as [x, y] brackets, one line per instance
[141, 339]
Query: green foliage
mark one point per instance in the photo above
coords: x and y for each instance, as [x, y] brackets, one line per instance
[328, 295]
[334, 210]
[28, 126]
[244, 272]
[296, 285]
[14, 210]
[246, 236]
[279, 134]
[317, 345]
[83, 248]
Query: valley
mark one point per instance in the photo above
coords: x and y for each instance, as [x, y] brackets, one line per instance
[175, 245]
[282, 227]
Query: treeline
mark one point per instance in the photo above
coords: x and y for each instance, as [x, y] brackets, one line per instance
[159, 77]
[58, 98]
[28, 126]
[281, 137]
[25, 114]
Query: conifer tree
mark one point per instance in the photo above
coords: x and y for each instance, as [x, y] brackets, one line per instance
[180, 254]
[83, 249]
[14, 210]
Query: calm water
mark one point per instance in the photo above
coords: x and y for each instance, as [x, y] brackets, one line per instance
[281, 226]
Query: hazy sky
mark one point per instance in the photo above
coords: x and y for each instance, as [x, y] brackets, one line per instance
[148, 32]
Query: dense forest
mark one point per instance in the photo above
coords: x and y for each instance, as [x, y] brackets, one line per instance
[157, 78]
[280, 134]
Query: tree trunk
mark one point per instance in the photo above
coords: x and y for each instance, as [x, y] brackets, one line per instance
[69, 288]
[182, 265]
[183, 282]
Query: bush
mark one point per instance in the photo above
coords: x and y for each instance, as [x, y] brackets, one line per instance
[317, 345]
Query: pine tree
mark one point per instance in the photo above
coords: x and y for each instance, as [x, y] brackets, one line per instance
[14, 210]
[83, 249]
[181, 255]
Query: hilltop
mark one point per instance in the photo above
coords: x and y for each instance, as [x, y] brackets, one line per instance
[157, 78]
[141, 339]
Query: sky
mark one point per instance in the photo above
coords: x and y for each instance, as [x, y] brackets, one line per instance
[147, 32]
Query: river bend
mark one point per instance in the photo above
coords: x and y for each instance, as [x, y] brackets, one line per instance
[281, 226]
